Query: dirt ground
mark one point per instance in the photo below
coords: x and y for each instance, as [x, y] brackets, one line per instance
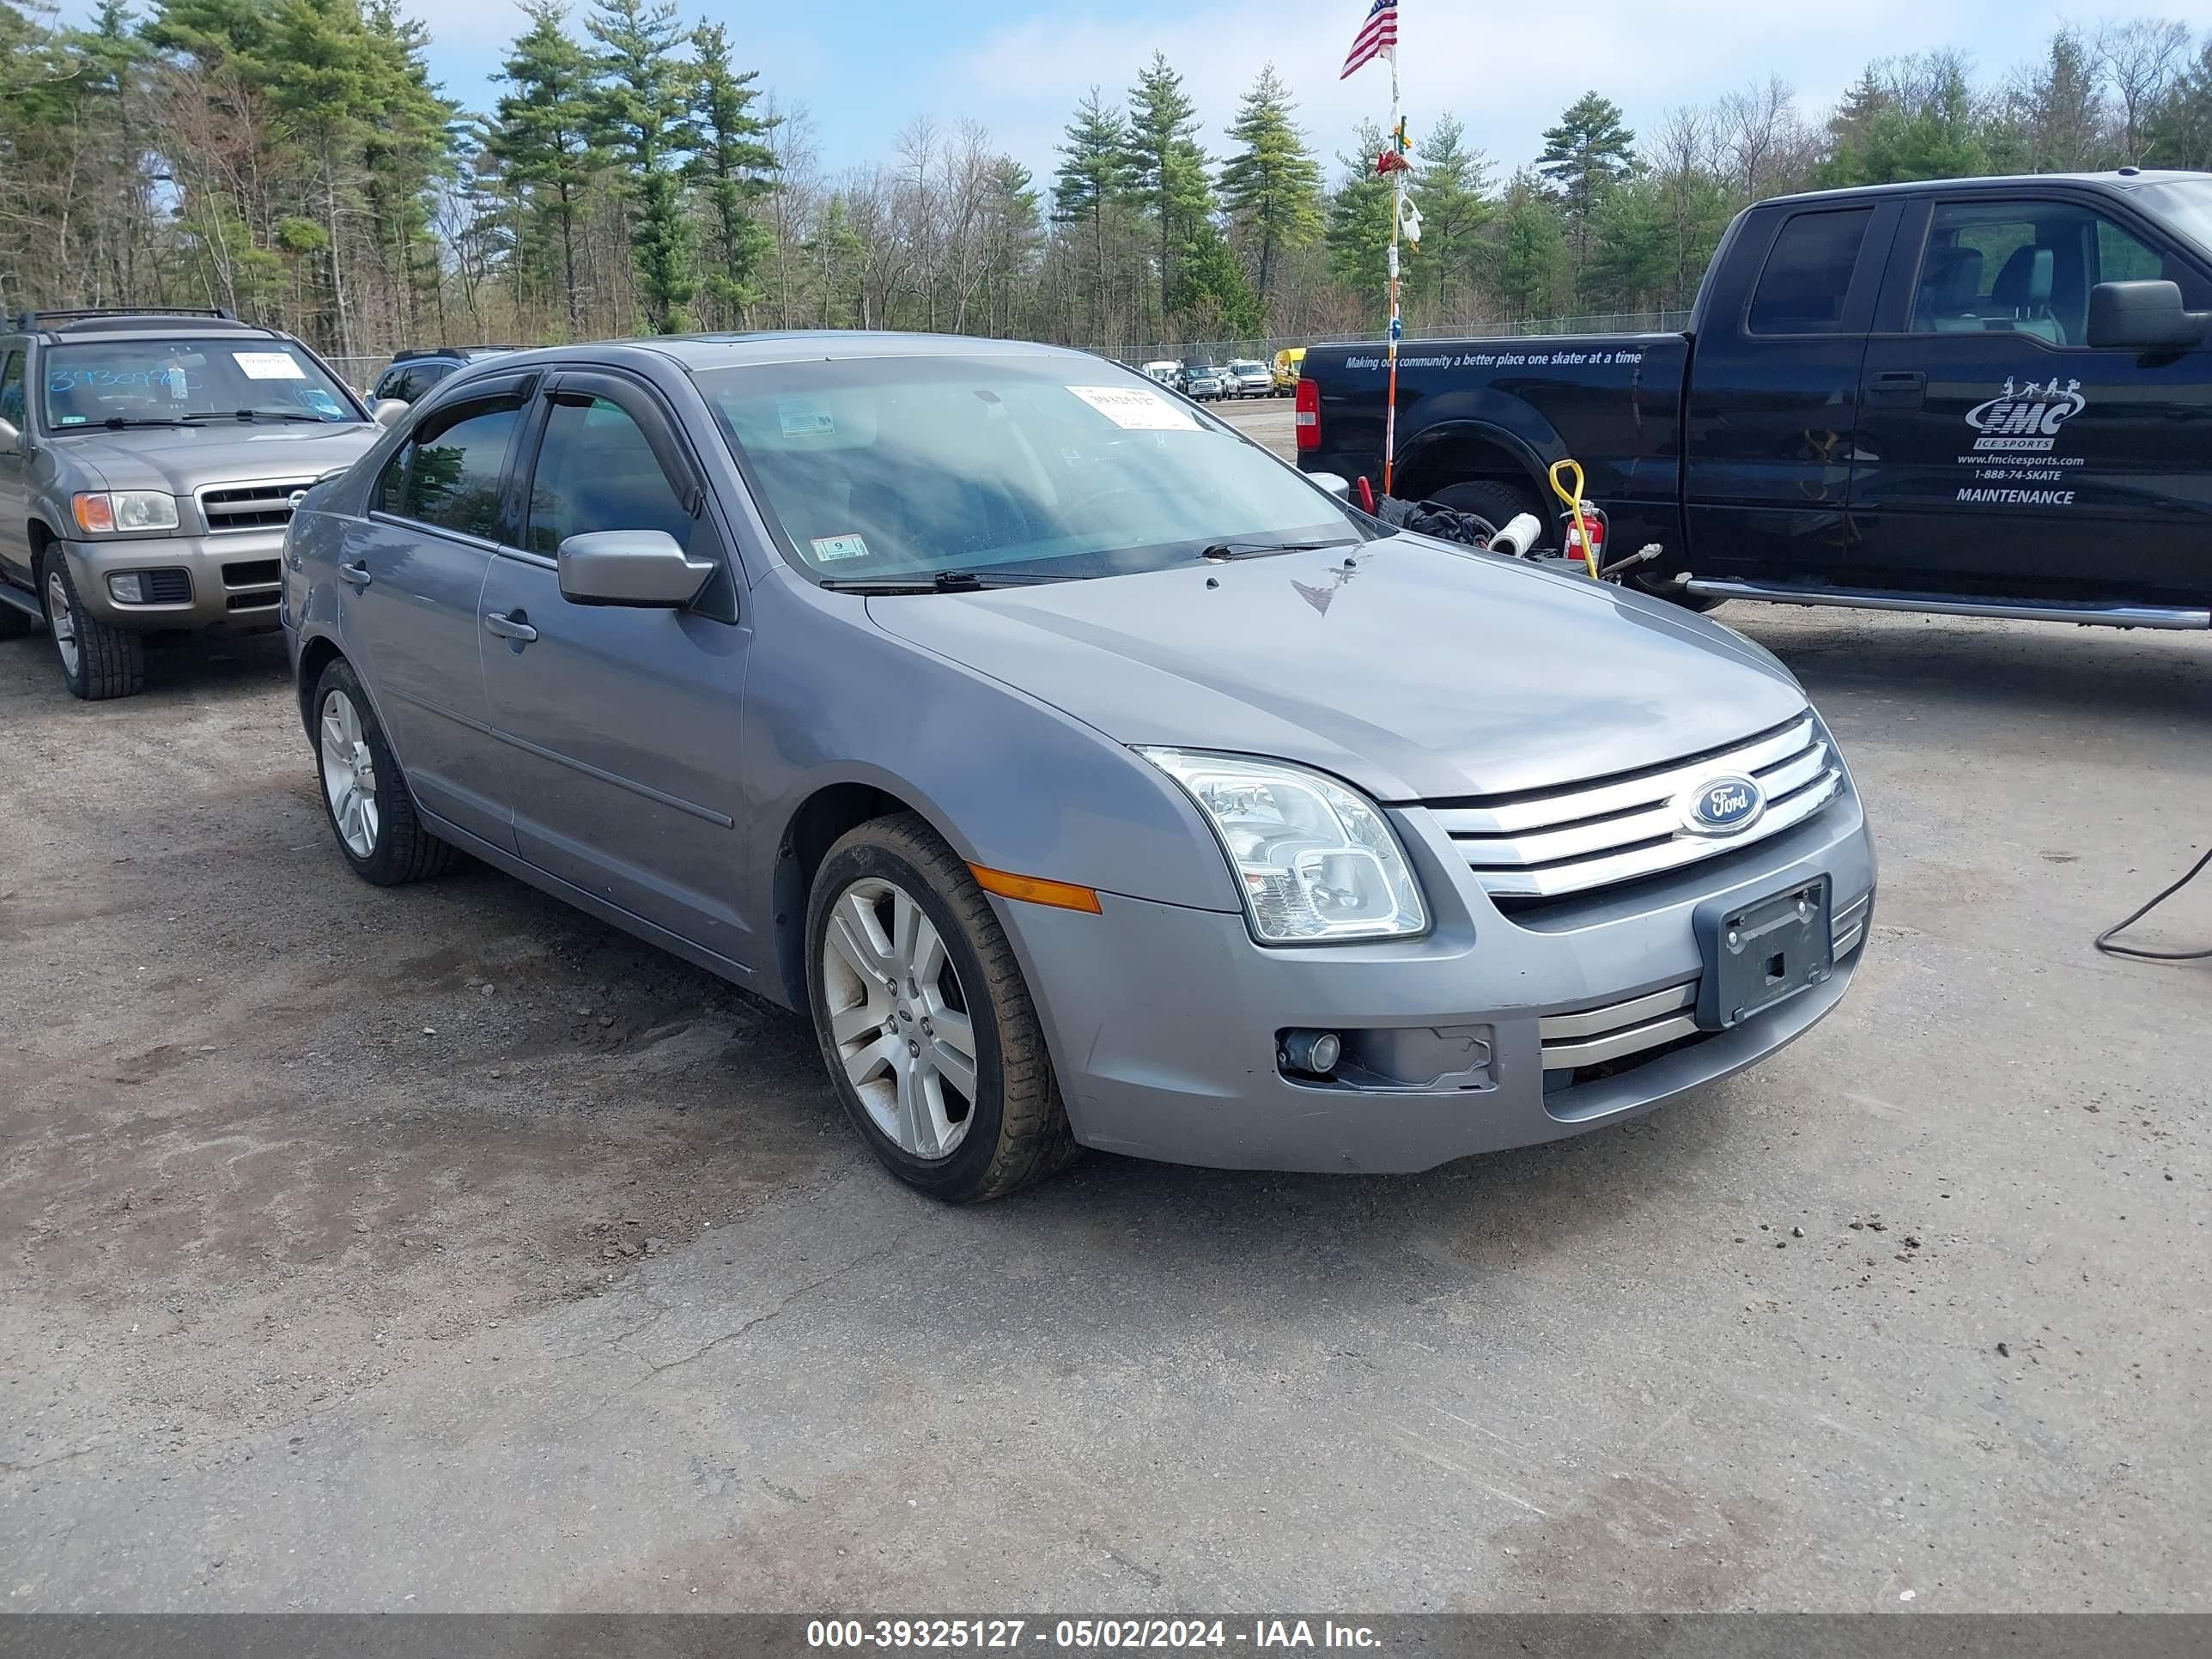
[443, 1248]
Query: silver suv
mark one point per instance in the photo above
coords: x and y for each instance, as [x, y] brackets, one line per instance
[147, 463]
[1085, 773]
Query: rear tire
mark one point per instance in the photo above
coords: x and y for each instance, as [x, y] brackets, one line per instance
[926, 1024]
[365, 795]
[98, 661]
[1496, 504]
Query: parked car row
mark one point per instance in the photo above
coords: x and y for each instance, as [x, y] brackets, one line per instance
[1207, 382]
[959, 695]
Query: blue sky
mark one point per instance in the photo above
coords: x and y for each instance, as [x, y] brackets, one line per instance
[863, 68]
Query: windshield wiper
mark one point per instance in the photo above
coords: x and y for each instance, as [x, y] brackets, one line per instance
[944, 581]
[117, 422]
[254, 414]
[1250, 549]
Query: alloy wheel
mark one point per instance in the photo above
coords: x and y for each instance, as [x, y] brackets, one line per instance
[61, 620]
[348, 775]
[899, 1018]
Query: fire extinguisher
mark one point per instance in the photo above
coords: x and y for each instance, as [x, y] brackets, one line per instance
[1581, 526]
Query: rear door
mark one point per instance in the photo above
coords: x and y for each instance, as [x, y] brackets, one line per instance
[2002, 455]
[1771, 412]
[411, 573]
[618, 726]
[15, 488]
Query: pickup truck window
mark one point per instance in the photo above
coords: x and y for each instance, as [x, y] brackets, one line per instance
[2026, 267]
[1808, 274]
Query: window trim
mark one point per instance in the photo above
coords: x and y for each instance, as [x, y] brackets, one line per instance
[1856, 314]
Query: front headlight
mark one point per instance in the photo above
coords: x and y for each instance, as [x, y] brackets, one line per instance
[124, 511]
[1314, 860]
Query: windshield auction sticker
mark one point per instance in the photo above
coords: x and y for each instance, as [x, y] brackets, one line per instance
[1135, 410]
[268, 366]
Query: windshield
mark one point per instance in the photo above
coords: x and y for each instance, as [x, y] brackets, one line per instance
[2185, 204]
[202, 379]
[899, 468]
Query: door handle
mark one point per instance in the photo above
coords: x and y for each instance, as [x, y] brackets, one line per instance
[1898, 388]
[354, 575]
[513, 625]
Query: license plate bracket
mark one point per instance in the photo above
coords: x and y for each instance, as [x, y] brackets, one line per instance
[1762, 952]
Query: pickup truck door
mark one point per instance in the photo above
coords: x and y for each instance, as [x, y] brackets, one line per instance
[2000, 454]
[1771, 411]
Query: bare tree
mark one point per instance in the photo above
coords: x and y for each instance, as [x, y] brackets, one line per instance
[2139, 62]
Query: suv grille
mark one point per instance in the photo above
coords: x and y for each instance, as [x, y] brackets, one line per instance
[1551, 842]
[250, 506]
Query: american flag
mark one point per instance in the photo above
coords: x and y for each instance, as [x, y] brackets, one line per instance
[1377, 36]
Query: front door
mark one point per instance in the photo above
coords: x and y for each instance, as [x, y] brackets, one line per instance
[618, 726]
[15, 488]
[2001, 453]
[412, 574]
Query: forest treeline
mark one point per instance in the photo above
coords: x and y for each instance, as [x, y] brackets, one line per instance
[295, 162]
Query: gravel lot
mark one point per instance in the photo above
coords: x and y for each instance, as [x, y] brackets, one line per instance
[443, 1249]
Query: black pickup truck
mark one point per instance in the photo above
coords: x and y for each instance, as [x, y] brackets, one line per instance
[1985, 395]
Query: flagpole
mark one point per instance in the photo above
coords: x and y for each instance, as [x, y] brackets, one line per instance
[1397, 207]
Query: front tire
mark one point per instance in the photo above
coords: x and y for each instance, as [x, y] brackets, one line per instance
[98, 661]
[365, 795]
[926, 1024]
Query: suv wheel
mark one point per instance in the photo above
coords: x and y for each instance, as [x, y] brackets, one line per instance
[925, 1021]
[98, 661]
[372, 811]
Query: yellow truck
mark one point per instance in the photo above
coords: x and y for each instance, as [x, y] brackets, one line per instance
[1288, 365]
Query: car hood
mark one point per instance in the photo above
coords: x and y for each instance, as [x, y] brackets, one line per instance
[1417, 670]
[181, 459]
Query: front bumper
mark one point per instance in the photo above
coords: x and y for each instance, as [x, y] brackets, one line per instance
[1162, 1021]
[228, 580]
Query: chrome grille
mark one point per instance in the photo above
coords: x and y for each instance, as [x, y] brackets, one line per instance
[1554, 843]
[259, 505]
[1594, 1037]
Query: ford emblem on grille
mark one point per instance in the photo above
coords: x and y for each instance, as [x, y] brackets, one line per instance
[1721, 806]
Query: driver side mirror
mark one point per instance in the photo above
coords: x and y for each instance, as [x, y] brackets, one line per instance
[2143, 317]
[12, 440]
[387, 410]
[642, 567]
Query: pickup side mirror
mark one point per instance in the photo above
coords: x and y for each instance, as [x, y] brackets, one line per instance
[387, 409]
[642, 567]
[2143, 317]
[12, 440]
[1335, 482]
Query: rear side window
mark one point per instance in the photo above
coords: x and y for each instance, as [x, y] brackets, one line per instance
[11, 390]
[597, 471]
[1808, 274]
[448, 473]
[404, 384]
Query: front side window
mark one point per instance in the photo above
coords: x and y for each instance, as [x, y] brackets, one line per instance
[2024, 267]
[596, 471]
[1808, 278]
[898, 467]
[448, 473]
[11, 390]
[183, 381]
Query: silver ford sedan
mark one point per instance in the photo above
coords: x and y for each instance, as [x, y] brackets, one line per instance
[1088, 775]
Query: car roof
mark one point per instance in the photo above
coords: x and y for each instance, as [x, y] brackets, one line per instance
[705, 351]
[2126, 179]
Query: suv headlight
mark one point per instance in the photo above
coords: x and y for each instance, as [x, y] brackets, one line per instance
[124, 511]
[1316, 861]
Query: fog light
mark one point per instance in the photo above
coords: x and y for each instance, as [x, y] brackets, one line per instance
[1314, 1053]
[127, 588]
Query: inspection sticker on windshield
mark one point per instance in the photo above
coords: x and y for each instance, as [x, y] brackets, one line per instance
[803, 416]
[1135, 410]
[827, 548]
[268, 366]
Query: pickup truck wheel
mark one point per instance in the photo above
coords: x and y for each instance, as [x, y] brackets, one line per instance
[925, 1021]
[98, 661]
[1494, 504]
[371, 809]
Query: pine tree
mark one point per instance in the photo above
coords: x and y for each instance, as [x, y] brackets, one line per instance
[1451, 184]
[1359, 223]
[543, 137]
[1529, 269]
[1585, 155]
[732, 167]
[639, 106]
[1094, 174]
[1271, 184]
[1167, 166]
